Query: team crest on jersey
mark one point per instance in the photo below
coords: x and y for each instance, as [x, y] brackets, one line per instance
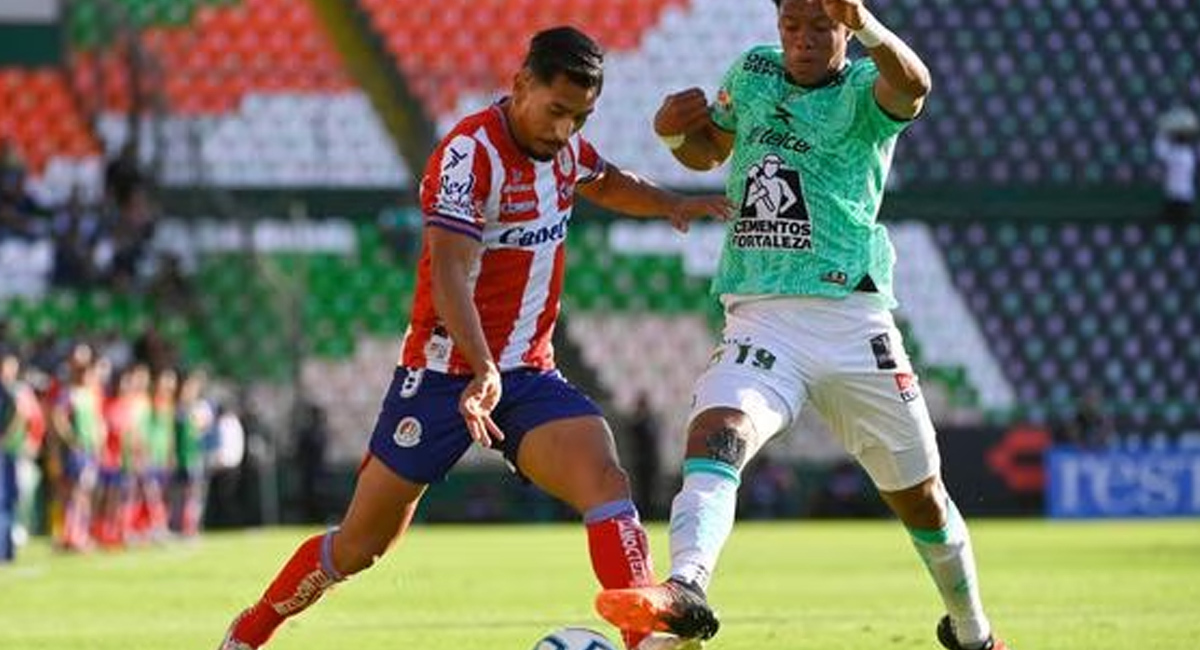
[773, 214]
[724, 100]
[906, 383]
[566, 162]
[408, 433]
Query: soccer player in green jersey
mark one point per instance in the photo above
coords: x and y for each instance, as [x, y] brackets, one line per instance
[806, 281]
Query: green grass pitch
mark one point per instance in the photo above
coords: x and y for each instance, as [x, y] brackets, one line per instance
[796, 585]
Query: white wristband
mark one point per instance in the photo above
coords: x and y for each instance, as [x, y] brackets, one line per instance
[673, 142]
[873, 33]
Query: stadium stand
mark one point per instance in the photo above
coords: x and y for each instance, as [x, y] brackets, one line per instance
[251, 94]
[39, 115]
[1032, 102]
[1067, 307]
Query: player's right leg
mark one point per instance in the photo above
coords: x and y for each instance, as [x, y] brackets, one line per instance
[739, 405]
[380, 511]
[418, 437]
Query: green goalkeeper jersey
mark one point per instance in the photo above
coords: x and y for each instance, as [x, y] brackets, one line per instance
[807, 173]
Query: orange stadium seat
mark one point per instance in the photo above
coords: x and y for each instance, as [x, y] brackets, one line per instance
[38, 114]
[226, 51]
[449, 48]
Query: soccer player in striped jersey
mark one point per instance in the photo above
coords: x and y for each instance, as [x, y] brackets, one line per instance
[806, 280]
[477, 366]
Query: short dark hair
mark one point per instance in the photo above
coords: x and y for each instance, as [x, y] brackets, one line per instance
[566, 51]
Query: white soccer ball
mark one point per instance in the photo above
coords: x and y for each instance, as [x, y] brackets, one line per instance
[574, 638]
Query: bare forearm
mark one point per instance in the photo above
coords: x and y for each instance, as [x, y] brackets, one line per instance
[701, 151]
[456, 308]
[626, 192]
[899, 65]
[902, 68]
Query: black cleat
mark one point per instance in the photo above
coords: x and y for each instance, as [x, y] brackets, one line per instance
[946, 637]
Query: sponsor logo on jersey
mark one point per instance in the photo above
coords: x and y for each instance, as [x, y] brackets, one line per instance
[773, 213]
[456, 182]
[758, 64]
[526, 237]
[511, 207]
[768, 137]
[906, 383]
[455, 157]
[835, 277]
[408, 433]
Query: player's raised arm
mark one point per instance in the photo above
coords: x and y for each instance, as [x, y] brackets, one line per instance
[451, 257]
[683, 124]
[625, 192]
[904, 79]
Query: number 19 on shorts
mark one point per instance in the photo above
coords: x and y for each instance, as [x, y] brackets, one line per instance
[743, 353]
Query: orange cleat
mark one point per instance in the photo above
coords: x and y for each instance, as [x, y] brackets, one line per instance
[674, 606]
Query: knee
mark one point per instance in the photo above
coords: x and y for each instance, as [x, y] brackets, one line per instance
[609, 482]
[601, 482]
[352, 555]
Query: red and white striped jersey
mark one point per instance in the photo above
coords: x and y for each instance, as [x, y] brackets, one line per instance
[479, 183]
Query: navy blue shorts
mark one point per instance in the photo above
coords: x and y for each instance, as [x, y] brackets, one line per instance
[420, 434]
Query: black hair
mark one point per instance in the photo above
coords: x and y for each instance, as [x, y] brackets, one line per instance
[566, 51]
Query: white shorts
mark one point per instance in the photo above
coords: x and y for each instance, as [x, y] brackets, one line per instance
[844, 357]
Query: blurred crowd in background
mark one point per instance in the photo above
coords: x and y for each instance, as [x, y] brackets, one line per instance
[105, 445]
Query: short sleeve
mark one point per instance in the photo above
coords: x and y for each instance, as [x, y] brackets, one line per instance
[871, 120]
[589, 164]
[456, 186]
[724, 107]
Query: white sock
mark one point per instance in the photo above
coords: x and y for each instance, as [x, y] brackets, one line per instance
[701, 518]
[951, 562]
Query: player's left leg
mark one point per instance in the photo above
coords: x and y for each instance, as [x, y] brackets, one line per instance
[877, 410]
[575, 460]
[558, 440]
[418, 437]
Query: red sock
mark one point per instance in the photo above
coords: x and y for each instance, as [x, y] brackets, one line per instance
[620, 551]
[299, 584]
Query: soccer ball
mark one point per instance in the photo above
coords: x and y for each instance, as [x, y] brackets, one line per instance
[574, 638]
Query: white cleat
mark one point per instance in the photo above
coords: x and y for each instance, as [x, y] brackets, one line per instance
[230, 643]
[662, 641]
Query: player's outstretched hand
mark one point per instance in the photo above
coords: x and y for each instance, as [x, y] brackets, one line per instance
[687, 208]
[682, 113]
[850, 13]
[476, 404]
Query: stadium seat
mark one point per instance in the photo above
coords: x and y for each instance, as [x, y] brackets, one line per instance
[43, 122]
[1113, 316]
